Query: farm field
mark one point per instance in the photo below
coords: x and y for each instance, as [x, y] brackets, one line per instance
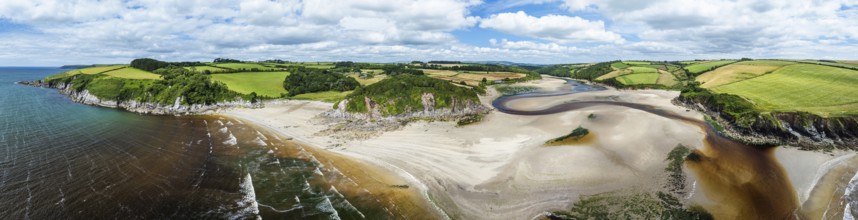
[471, 78]
[132, 73]
[619, 65]
[812, 88]
[327, 96]
[666, 78]
[644, 73]
[263, 83]
[370, 81]
[739, 71]
[639, 79]
[614, 74]
[638, 69]
[703, 66]
[837, 64]
[99, 69]
[244, 66]
[316, 65]
[201, 69]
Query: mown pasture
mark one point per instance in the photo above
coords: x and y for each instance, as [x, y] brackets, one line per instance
[268, 84]
[704, 66]
[639, 79]
[739, 71]
[132, 73]
[811, 88]
[245, 66]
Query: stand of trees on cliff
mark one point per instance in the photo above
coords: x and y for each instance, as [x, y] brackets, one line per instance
[151, 65]
[308, 80]
[403, 94]
[192, 88]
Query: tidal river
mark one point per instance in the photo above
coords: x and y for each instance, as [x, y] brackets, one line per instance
[60, 159]
[742, 181]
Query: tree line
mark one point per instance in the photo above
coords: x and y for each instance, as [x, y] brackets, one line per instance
[309, 80]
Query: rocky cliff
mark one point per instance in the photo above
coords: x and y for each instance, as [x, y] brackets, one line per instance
[802, 129]
[176, 108]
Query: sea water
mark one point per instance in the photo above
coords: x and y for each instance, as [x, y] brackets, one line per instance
[60, 159]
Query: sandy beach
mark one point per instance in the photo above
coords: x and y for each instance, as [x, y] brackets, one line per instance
[499, 168]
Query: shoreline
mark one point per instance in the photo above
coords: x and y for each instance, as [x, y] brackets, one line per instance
[376, 177]
[498, 168]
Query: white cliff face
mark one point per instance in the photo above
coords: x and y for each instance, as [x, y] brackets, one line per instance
[177, 108]
[428, 102]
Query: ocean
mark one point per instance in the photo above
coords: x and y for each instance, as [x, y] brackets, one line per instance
[64, 160]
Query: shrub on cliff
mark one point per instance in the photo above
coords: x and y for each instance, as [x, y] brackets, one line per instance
[308, 80]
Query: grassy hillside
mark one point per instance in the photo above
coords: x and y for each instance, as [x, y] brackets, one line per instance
[245, 66]
[471, 78]
[132, 73]
[193, 88]
[812, 88]
[201, 69]
[268, 84]
[639, 78]
[705, 66]
[638, 74]
[739, 71]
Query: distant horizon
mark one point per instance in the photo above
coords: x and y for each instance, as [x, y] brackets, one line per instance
[463, 61]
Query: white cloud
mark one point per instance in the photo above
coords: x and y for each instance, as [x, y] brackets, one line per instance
[551, 27]
[105, 31]
[722, 26]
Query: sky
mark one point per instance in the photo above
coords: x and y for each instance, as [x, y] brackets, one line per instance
[59, 32]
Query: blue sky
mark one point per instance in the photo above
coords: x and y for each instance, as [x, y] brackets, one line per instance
[57, 32]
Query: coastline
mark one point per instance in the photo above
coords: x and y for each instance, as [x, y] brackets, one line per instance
[394, 189]
[498, 168]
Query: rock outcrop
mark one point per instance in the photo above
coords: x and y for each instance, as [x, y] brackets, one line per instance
[801, 129]
[361, 125]
[175, 108]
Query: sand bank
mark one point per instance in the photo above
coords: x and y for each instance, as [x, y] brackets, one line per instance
[499, 168]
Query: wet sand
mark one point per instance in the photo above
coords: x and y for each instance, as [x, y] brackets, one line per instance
[500, 168]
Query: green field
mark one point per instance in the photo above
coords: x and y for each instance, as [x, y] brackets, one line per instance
[739, 71]
[99, 69]
[812, 88]
[639, 79]
[636, 62]
[619, 65]
[703, 66]
[370, 81]
[132, 73]
[638, 69]
[244, 66]
[327, 96]
[263, 83]
[316, 65]
[201, 69]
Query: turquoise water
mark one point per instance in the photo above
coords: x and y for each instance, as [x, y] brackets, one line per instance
[60, 159]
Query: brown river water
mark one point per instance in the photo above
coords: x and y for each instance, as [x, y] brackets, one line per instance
[746, 182]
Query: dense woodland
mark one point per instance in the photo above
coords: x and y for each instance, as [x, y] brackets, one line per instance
[308, 80]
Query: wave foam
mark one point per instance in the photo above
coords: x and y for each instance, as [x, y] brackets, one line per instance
[232, 141]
